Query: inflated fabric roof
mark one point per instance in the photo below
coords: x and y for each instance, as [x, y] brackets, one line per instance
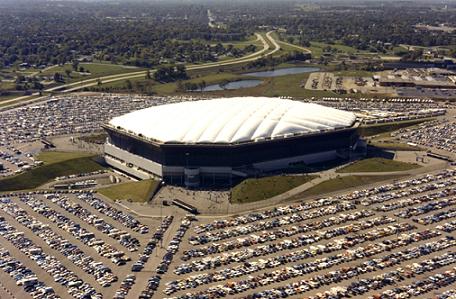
[232, 120]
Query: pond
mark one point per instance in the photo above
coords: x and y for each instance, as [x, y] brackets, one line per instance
[284, 71]
[233, 85]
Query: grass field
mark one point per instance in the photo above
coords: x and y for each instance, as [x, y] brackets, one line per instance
[134, 191]
[317, 48]
[354, 73]
[8, 97]
[341, 183]
[289, 85]
[99, 138]
[43, 174]
[95, 69]
[171, 88]
[371, 130]
[396, 146]
[50, 157]
[377, 165]
[252, 190]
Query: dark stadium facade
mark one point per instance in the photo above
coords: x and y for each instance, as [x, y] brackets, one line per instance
[219, 163]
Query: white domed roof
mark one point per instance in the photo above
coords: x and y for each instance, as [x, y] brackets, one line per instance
[232, 120]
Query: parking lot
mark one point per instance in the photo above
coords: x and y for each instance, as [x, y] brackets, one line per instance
[21, 129]
[391, 241]
[394, 240]
[368, 243]
[438, 135]
[74, 243]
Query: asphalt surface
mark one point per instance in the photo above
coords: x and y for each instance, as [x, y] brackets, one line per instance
[150, 216]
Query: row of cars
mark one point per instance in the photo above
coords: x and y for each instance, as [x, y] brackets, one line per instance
[85, 236]
[252, 266]
[448, 227]
[102, 274]
[116, 214]
[423, 286]
[226, 258]
[13, 161]
[434, 205]
[152, 243]
[402, 188]
[348, 255]
[366, 197]
[123, 237]
[80, 175]
[415, 199]
[251, 240]
[450, 294]
[70, 114]
[337, 276]
[76, 287]
[154, 281]
[225, 268]
[276, 223]
[439, 134]
[127, 283]
[263, 215]
[25, 277]
[172, 248]
[437, 217]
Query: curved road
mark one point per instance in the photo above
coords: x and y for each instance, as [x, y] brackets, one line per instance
[70, 87]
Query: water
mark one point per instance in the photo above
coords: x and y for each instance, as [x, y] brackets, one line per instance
[284, 71]
[233, 85]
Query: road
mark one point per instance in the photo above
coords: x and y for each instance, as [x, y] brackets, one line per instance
[70, 87]
[307, 50]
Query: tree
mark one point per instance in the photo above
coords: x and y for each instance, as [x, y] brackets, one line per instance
[180, 86]
[20, 78]
[202, 85]
[129, 84]
[38, 85]
[58, 77]
[453, 53]
[170, 74]
[75, 65]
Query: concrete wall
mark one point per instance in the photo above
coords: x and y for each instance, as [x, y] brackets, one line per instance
[137, 161]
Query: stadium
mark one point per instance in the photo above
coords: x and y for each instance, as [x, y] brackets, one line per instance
[212, 142]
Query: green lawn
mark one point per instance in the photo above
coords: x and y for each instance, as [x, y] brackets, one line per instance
[95, 69]
[135, 191]
[354, 73]
[252, 190]
[171, 88]
[43, 174]
[371, 130]
[251, 40]
[99, 138]
[50, 157]
[290, 85]
[395, 146]
[377, 165]
[9, 97]
[3, 102]
[7, 85]
[341, 183]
